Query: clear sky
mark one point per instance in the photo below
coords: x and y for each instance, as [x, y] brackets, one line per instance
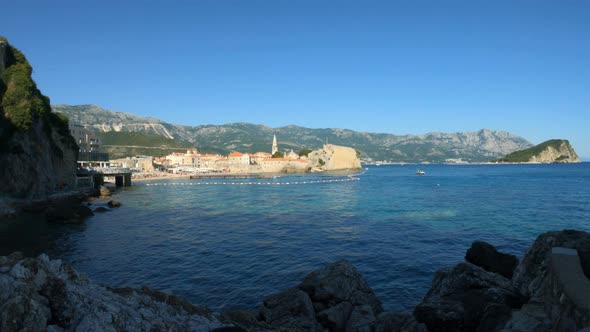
[380, 66]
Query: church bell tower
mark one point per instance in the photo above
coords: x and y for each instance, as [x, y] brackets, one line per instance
[275, 146]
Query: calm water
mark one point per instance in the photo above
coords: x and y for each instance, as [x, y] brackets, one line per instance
[230, 245]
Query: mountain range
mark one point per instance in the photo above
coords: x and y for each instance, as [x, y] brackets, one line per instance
[479, 146]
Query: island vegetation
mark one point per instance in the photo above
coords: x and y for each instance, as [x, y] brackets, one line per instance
[555, 150]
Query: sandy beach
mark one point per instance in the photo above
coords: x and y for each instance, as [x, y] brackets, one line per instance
[157, 176]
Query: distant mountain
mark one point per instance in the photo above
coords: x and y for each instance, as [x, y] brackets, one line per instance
[121, 144]
[552, 151]
[483, 145]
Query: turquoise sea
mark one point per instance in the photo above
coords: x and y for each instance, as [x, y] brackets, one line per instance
[228, 246]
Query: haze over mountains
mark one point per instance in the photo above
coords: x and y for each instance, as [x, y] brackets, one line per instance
[480, 146]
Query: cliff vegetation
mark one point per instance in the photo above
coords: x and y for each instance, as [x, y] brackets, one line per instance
[37, 150]
[552, 151]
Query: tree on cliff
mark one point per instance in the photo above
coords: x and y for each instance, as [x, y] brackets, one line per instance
[305, 152]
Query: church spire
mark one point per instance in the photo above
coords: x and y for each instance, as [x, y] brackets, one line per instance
[275, 146]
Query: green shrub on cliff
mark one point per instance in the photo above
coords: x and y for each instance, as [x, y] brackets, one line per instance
[305, 152]
[22, 104]
[21, 101]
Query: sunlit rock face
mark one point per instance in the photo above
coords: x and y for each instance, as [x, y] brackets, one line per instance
[333, 158]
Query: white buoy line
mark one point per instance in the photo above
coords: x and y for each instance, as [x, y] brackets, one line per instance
[351, 177]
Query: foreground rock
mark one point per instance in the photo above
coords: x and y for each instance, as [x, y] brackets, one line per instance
[337, 291]
[487, 257]
[468, 298]
[42, 294]
[334, 298]
[396, 321]
[559, 294]
[549, 290]
[38, 294]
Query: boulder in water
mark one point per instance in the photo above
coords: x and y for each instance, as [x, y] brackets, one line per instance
[113, 204]
[104, 192]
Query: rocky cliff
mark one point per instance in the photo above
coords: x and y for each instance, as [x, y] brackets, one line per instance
[552, 151]
[477, 146]
[333, 158]
[37, 152]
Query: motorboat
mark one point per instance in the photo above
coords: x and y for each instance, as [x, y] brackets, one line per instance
[420, 172]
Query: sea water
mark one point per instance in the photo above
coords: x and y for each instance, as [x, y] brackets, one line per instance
[228, 243]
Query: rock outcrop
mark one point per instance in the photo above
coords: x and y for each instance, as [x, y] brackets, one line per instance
[336, 298]
[552, 151]
[487, 257]
[113, 204]
[104, 192]
[468, 298]
[559, 291]
[549, 291]
[38, 294]
[333, 158]
[37, 153]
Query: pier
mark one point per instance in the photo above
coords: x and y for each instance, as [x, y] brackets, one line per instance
[120, 175]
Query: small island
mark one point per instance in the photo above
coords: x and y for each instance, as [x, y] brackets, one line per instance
[551, 151]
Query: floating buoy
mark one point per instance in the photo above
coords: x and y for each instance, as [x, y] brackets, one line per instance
[352, 177]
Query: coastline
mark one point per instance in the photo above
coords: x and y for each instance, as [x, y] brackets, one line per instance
[72, 200]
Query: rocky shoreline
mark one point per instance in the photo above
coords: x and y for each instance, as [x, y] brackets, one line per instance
[491, 291]
[64, 208]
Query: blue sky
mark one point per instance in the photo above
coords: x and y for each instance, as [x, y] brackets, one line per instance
[380, 66]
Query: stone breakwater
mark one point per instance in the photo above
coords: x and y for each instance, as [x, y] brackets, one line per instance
[491, 291]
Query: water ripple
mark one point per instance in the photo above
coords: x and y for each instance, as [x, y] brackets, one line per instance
[229, 246]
